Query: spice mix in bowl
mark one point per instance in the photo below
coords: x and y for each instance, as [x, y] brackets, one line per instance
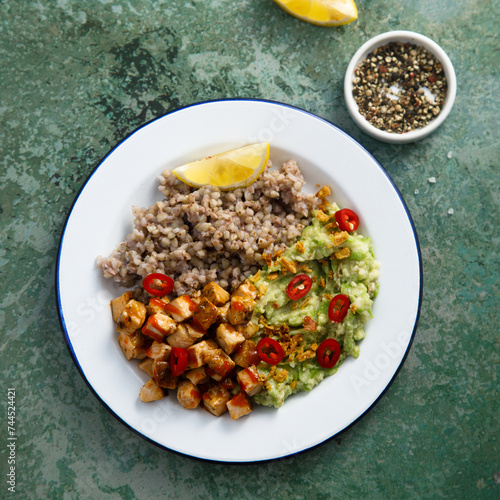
[399, 87]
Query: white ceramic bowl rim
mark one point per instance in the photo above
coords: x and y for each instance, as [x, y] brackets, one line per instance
[417, 39]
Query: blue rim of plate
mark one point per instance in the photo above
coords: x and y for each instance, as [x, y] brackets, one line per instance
[63, 323]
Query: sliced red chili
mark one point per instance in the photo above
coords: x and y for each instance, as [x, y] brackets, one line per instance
[270, 351]
[347, 219]
[328, 353]
[338, 308]
[158, 284]
[178, 361]
[299, 286]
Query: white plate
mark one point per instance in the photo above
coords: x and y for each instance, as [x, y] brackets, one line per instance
[101, 217]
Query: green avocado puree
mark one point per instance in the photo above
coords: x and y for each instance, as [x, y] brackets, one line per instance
[313, 254]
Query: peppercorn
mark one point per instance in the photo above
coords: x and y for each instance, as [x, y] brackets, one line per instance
[409, 68]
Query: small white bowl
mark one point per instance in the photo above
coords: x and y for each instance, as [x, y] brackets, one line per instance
[406, 37]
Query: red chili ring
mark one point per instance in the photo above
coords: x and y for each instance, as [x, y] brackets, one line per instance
[270, 351]
[150, 284]
[328, 353]
[347, 220]
[299, 286]
[338, 308]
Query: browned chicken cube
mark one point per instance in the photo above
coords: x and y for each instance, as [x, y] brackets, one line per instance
[181, 308]
[219, 364]
[185, 335]
[133, 346]
[246, 289]
[132, 317]
[157, 305]
[228, 337]
[195, 296]
[248, 329]
[151, 392]
[197, 352]
[239, 406]
[224, 312]
[215, 294]
[198, 375]
[147, 365]
[118, 304]
[158, 326]
[162, 375]
[249, 380]
[240, 310]
[159, 350]
[246, 354]
[215, 399]
[188, 395]
[206, 314]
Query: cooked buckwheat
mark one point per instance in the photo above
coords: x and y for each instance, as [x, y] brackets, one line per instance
[201, 235]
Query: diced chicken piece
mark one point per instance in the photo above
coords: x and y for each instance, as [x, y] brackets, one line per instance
[215, 294]
[198, 375]
[188, 395]
[249, 380]
[185, 335]
[246, 289]
[219, 364]
[240, 310]
[206, 314]
[158, 326]
[197, 352]
[157, 305]
[248, 329]
[151, 392]
[181, 308]
[228, 337]
[147, 366]
[239, 406]
[132, 317]
[215, 399]
[118, 304]
[133, 346]
[162, 374]
[228, 383]
[159, 350]
[224, 312]
[246, 354]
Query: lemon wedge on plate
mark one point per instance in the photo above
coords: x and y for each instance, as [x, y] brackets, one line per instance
[321, 12]
[230, 170]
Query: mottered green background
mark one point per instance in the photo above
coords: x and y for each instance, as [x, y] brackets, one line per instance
[77, 76]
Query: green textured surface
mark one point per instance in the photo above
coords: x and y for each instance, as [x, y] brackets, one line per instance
[78, 76]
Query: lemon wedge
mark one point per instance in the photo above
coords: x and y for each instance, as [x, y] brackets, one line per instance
[321, 12]
[230, 170]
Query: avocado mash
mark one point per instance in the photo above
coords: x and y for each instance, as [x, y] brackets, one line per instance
[338, 262]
